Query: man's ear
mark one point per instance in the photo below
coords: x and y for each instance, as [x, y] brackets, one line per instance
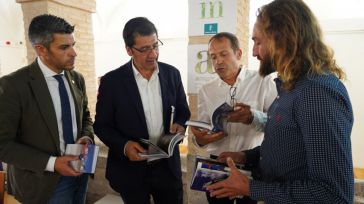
[239, 53]
[129, 51]
[40, 50]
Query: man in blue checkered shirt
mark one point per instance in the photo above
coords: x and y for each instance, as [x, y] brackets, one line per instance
[306, 153]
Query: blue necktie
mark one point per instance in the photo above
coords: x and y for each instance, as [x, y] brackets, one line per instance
[66, 111]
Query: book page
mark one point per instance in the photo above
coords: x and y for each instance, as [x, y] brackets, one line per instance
[153, 150]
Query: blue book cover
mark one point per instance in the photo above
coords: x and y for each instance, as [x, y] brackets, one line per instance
[208, 171]
[205, 175]
[218, 118]
[87, 157]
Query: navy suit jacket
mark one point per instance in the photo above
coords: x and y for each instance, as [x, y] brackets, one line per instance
[120, 118]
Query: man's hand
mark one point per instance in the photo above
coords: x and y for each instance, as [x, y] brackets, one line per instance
[237, 157]
[235, 185]
[203, 137]
[85, 140]
[62, 166]
[177, 128]
[132, 150]
[241, 114]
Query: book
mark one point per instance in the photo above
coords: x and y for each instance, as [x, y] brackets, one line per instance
[87, 154]
[208, 171]
[218, 118]
[164, 147]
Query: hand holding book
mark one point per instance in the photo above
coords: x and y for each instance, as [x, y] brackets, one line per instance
[208, 171]
[218, 118]
[236, 185]
[204, 137]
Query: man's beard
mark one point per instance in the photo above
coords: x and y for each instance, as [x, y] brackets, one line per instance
[266, 67]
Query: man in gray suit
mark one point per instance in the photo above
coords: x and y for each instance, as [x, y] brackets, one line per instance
[43, 107]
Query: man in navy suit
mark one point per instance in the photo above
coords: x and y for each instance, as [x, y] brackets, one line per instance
[135, 102]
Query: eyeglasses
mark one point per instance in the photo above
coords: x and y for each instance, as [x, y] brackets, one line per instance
[232, 96]
[148, 49]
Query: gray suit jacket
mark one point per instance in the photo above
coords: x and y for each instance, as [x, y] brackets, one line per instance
[29, 132]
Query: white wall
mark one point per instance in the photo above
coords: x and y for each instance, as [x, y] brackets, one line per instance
[171, 23]
[13, 55]
[346, 37]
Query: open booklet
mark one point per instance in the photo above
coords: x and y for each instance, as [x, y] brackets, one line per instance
[164, 147]
[219, 119]
[208, 171]
[87, 154]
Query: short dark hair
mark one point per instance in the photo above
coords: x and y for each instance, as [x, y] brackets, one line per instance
[42, 28]
[233, 39]
[137, 26]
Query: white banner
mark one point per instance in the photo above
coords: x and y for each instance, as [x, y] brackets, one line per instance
[200, 69]
[208, 17]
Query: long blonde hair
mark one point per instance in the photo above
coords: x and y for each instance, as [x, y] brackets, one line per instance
[295, 39]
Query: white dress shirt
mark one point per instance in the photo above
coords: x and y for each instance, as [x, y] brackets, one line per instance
[52, 84]
[251, 89]
[150, 93]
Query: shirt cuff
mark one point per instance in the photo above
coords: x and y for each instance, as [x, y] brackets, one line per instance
[124, 151]
[50, 164]
[259, 120]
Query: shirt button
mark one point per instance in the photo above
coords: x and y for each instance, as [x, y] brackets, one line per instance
[278, 97]
[261, 158]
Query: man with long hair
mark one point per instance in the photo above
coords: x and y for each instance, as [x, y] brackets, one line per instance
[306, 155]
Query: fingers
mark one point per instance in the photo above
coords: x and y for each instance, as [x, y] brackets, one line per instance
[221, 193]
[204, 139]
[85, 140]
[223, 156]
[177, 128]
[241, 113]
[173, 128]
[62, 166]
[216, 188]
[132, 150]
[231, 165]
[198, 132]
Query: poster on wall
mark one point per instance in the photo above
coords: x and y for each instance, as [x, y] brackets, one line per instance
[200, 69]
[208, 17]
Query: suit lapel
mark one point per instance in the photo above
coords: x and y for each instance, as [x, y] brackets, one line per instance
[41, 93]
[164, 84]
[77, 98]
[133, 91]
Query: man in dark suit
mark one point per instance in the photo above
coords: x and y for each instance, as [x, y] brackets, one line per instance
[43, 107]
[135, 102]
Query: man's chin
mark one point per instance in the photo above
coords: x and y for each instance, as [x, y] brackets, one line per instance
[69, 68]
[265, 68]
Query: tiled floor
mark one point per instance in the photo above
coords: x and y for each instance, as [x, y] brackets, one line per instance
[8, 199]
[110, 199]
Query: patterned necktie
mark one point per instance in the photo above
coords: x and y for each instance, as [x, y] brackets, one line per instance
[66, 111]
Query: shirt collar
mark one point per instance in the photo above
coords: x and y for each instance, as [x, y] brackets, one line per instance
[47, 72]
[241, 77]
[137, 74]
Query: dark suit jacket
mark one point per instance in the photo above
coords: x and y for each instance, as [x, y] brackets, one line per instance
[120, 117]
[29, 131]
